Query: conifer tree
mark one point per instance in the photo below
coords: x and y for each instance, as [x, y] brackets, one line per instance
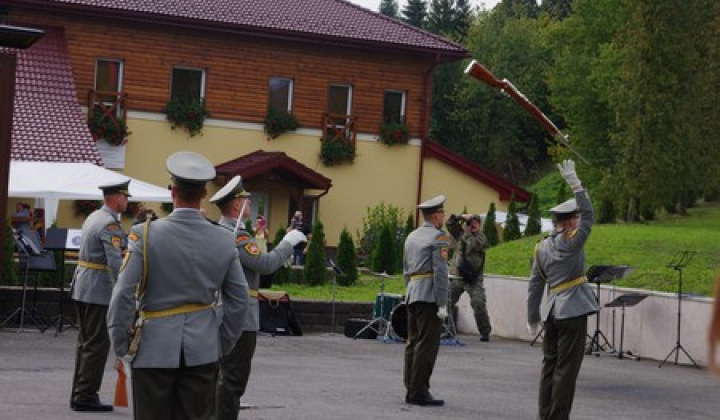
[315, 269]
[389, 8]
[512, 224]
[347, 260]
[415, 13]
[383, 257]
[489, 228]
[534, 223]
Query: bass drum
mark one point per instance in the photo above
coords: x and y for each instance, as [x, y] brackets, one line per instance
[398, 320]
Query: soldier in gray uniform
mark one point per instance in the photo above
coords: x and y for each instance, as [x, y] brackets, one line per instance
[181, 262]
[426, 276]
[99, 259]
[559, 263]
[469, 263]
[234, 203]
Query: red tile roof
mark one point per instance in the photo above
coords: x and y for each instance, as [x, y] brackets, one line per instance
[334, 21]
[48, 123]
[261, 162]
[505, 188]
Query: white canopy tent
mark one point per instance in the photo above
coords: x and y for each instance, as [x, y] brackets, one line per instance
[55, 181]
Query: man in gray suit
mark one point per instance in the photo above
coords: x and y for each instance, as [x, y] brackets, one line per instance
[99, 259]
[559, 263]
[425, 270]
[234, 203]
[181, 262]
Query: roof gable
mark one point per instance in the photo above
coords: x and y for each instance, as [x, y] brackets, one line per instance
[261, 162]
[505, 188]
[336, 21]
[48, 123]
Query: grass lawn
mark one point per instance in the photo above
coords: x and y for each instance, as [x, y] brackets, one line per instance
[647, 247]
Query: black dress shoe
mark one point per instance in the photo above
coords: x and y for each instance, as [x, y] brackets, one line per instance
[90, 406]
[484, 337]
[426, 400]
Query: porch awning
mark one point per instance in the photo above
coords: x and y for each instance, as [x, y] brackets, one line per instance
[260, 162]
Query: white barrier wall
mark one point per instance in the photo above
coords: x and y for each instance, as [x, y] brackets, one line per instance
[650, 326]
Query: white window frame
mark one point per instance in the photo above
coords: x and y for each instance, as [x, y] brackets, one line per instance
[403, 102]
[203, 78]
[291, 90]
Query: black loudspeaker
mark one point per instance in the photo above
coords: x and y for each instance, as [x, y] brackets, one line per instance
[353, 325]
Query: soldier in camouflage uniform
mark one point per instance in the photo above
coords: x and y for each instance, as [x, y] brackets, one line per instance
[426, 275]
[99, 260]
[470, 245]
[234, 204]
[559, 263]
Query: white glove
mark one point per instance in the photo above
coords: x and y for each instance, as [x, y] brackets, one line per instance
[442, 313]
[567, 170]
[294, 237]
[533, 328]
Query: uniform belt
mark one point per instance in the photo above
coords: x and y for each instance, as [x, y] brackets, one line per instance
[254, 293]
[93, 266]
[420, 276]
[182, 309]
[568, 284]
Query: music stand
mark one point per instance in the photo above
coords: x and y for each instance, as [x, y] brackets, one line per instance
[677, 263]
[382, 323]
[57, 239]
[449, 334]
[26, 248]
[600, 274]
[622, 302]
[338, 273]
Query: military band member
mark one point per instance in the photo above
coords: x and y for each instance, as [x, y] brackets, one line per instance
[183, 262]
[234, 204]
[99, 260]
[426, 277]
[469, 264]
[559, 263]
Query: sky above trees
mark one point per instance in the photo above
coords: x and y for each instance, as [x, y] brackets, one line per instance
[374, 4]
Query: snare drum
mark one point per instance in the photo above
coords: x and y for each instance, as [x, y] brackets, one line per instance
[390, 301]
[398, 320]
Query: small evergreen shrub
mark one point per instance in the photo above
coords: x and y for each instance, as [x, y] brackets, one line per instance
[534, 222]
[347, 260]
[489, 228]
[512, 225]
[314, 271]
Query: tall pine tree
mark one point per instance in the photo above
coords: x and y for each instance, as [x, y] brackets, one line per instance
[415, 13]
[315, 269]
[389, 8]
[347, 259]
[534, 222]
[512, 224]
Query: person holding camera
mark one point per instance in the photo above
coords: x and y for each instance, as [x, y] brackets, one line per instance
[298, 256]
[469, 264]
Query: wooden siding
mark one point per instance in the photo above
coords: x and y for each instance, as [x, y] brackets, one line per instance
[238, 69]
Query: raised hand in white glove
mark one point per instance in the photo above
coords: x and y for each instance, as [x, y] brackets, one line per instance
[567, 170]
[294, 237]
[533, 328]
[442, 313]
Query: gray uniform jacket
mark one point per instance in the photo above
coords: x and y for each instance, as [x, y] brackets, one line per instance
[560, 258]
[189, 261]
[426, 254]
[103, 240]
[467, 246]
[255, 262]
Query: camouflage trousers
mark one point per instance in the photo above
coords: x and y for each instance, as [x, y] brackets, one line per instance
[478, 300]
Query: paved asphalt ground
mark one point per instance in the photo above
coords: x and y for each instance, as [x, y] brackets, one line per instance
[317, 377]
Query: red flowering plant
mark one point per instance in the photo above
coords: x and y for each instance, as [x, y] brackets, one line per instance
[106, 126]
[189, 115]
[394, 132]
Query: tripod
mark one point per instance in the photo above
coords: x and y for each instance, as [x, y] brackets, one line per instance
[24, 249]
[677, 263]
[595, 344]
[382, 323]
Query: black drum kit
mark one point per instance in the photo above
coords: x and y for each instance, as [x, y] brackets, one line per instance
[390, 318]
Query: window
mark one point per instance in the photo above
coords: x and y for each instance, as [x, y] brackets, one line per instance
[108, 80]
[394, 106]
[339, 102]
[187, 84]
[281, 94]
